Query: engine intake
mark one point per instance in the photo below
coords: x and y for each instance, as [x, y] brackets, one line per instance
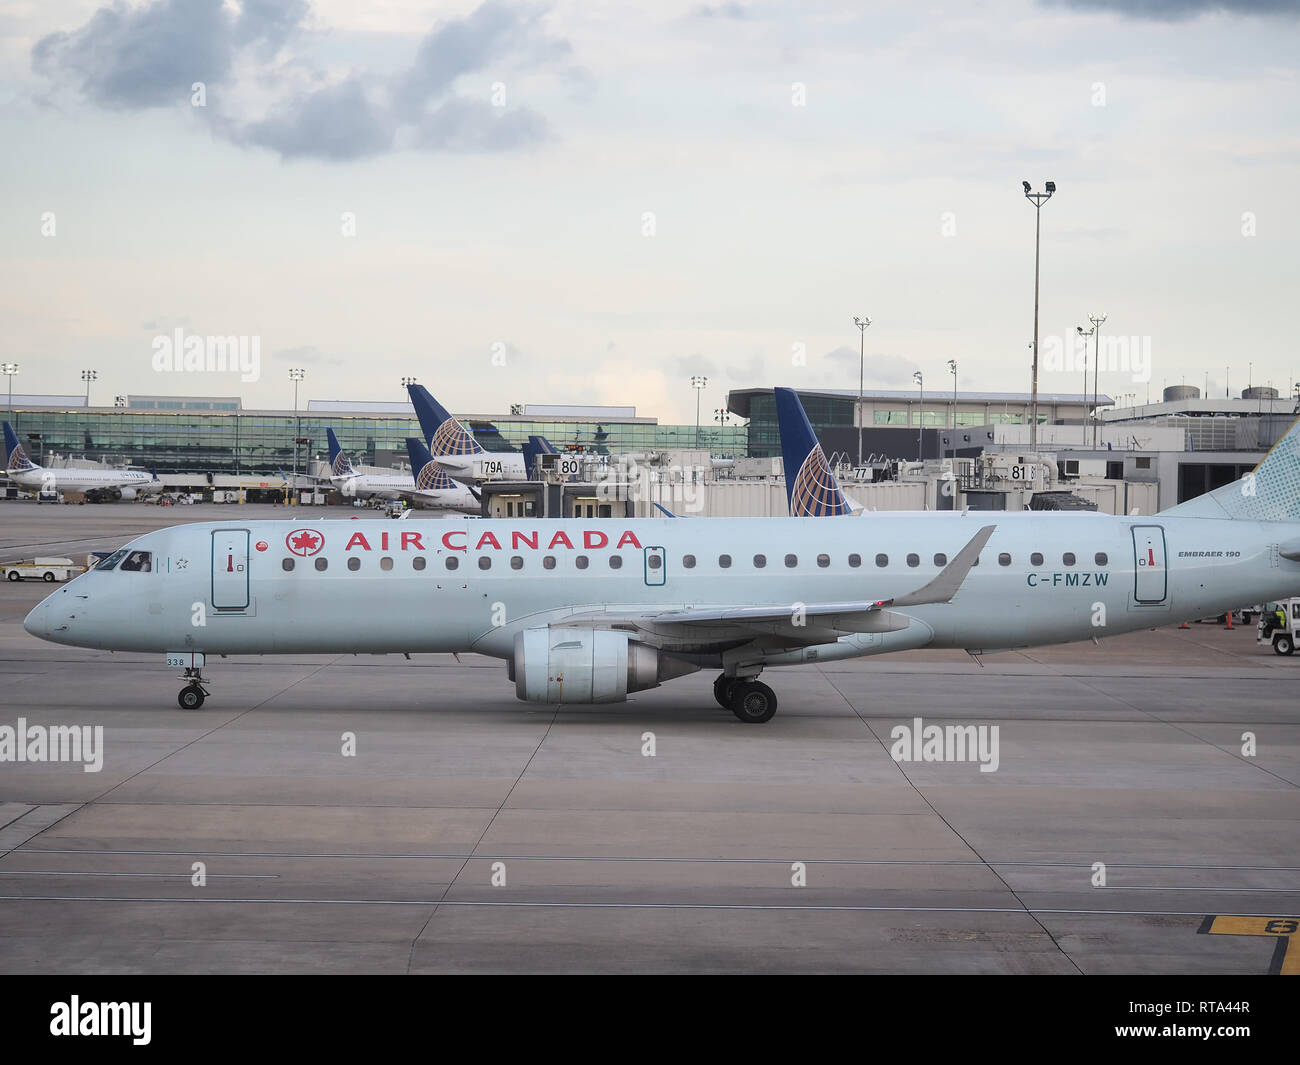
[571, 665]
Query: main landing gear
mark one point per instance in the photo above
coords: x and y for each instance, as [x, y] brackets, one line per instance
[750, 700]
[192, 695]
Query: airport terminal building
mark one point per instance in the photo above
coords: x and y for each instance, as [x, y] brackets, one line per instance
[200, 435]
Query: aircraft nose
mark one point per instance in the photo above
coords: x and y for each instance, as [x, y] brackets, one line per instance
[37, 621]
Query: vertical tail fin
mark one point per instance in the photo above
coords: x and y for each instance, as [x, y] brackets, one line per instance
[18, 460]
[533, 450]
[1270, 492]
[429, 476]
[443, 434]
[810, 487]
[340, 465]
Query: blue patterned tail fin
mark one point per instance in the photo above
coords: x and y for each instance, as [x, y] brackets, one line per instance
[443, 434]
[340, 465]
[429, 476]
[18, 459]
[810, 487]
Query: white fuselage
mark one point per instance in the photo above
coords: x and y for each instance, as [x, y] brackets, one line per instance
[359, 586]
[46, 479]
[402, 486]
[486, 466]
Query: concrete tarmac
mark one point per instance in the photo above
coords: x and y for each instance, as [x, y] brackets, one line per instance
[471, 832]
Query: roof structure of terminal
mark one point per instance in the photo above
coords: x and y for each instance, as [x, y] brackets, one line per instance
[738, 399]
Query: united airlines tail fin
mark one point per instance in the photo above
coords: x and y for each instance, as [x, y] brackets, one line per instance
[1270, 492]
[18, 459]
[340, 465]
[810, 488]
[429, 476]
[443, 434]
[536, 447]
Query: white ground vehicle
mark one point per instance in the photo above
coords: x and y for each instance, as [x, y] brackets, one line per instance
[44, 569]
[1283, 638]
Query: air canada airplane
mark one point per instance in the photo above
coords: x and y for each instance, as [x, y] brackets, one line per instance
[98, 484]
[428, 487]
[588, 611]
[454, 447]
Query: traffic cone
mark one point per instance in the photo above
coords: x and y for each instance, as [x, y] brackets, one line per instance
[1183, 625]
[1229, 619]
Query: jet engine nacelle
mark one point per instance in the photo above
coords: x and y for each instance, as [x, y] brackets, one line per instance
[126, 493]
[571, 665]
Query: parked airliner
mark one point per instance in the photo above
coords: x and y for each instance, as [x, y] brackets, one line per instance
[428, 487]
[454, 447]
[98, 484]
[587, 611]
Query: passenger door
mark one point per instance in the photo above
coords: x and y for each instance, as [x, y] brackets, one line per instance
[230, 569]
[1150, 580]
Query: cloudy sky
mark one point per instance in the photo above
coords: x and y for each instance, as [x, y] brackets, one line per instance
[589, 202]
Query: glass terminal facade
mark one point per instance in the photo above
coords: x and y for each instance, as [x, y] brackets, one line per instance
[247, 441]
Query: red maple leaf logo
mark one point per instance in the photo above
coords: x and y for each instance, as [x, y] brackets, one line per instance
[304, 542]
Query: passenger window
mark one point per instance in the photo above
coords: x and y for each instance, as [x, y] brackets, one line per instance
[1004, 559]
[581, 562]
[688, 561]
[286, 564]
[354, 563]
[548, 562]
[516, 561]
[1100, 558]
[882, 561]
[137, 562]
[913, 560]
[417, 562]
[941, 559]
[322, 564]
[1036, 558]
[855, 561]
[791, 561]
[654, 562]
[760, 561]
[484, 562]
[1067, 559]
[724, 561]
[615, 561]
[385, 563]
[452, 562]
[823, 561]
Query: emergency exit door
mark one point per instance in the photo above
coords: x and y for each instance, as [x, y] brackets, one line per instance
[1151, 580]
[230, 569]
[656, 566]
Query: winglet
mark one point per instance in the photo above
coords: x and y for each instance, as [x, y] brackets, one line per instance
[667, 513]
[950, 578]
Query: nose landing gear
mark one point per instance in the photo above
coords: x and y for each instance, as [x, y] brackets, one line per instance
[192, 695]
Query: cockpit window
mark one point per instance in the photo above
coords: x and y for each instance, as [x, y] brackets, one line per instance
[112, 560]
[137, 561]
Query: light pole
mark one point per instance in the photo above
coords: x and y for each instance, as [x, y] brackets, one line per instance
[9, 369]
[296, 375]
[1096, 320]
[1085, 334]
[88, 376]
[920, 416]
[1037, 199]
[862, 324]
[699, 382]
[952, 369]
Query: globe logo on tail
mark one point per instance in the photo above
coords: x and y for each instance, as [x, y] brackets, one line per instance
[451, 438]
[815, 493]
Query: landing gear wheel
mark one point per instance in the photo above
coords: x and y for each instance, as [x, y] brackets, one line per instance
[753, 702]
[191, 697]
[1284, 645]
[722, 689]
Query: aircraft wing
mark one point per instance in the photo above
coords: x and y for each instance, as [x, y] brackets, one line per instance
[802, 623]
